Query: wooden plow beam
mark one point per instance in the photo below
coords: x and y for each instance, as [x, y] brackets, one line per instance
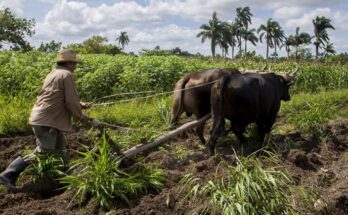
[165, 137]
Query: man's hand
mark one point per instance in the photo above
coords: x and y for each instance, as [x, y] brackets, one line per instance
[85, 119]
[95, 123]
[86, 105]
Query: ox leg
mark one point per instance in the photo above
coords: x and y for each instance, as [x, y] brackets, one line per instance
[199, 132]
[175, 118]
[218, 125]
[264, 128]
[239, 129]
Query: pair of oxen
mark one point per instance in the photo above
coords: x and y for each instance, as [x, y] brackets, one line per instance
[241, 97]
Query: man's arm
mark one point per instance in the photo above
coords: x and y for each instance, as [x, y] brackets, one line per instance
[72, 100]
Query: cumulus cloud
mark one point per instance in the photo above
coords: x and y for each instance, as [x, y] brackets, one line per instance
[288, 12]
[75, 17]
[305, 21]
[154, 22]
[167, 37]
[338, 19]
[15, 5]
[166, 33]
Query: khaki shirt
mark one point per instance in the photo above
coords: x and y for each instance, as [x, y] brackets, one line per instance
[57, 102]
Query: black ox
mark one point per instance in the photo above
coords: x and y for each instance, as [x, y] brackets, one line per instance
[247, 98]
[192, 95]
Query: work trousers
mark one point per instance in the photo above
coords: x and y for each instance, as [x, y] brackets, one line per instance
[48, 141]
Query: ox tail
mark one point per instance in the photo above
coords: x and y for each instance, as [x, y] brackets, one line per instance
[217, 103]
[223, 81]
[178, 98]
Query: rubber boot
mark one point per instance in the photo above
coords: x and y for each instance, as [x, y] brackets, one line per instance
[10, 175]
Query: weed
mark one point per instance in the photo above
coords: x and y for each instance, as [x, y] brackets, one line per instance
[14, 113]
[26, 151]
[46, 168]
[248, 188]
[308, 112]
[2, 188]
[164, 112]
[98, 174]
[179, 152]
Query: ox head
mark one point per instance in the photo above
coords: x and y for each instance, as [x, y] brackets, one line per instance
[287, 79]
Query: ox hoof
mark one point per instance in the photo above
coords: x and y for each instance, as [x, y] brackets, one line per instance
[203, 143]
[211, 150]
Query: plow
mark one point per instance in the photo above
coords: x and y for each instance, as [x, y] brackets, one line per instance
[143, 147]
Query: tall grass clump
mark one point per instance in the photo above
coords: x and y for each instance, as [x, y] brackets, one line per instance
[248, 188]
[309, 112]
[46, 168]
[146, 119]
[14, 114]
[98, 175]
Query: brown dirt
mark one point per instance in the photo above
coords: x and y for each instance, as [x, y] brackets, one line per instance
[318, 163]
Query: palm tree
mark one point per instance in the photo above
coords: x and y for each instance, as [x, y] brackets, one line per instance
[224, 39]
[288, 42]
[123, 39]
[268, 33]
[212, 31]
[249, 35]
[321, 36]
[278, 37]
[329, 50]
[300, 39]
[233, 40]
[243, 19]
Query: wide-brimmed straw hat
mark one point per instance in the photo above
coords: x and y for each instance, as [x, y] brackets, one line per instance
[66, 55]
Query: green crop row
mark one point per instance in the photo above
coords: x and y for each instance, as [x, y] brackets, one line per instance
[22, 74]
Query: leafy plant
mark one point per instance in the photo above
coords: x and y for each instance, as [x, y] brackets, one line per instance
[98, 174]
[47, 168]
[248, 188]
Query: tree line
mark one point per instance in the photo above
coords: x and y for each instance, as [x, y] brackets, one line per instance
[232, 35]
[221, 34]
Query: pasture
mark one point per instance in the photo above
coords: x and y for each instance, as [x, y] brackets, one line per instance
[302, 170]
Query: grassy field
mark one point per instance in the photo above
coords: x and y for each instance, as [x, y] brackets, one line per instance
[319, 95]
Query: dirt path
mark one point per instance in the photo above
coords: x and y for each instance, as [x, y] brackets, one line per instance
[321, 164]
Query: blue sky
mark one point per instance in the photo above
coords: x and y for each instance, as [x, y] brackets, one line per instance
[170, 23]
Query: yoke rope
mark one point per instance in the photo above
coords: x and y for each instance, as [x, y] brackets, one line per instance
[158, 94]
[121, 94]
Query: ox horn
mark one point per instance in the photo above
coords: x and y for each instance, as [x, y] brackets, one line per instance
[264, 68]
[295, 71]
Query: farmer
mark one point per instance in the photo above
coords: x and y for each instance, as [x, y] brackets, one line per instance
[51, 115]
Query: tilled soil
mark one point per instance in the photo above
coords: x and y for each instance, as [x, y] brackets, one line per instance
[318, 163]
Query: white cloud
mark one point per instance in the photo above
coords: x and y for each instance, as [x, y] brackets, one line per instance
[167, 33]
[167, 37]
[15, 5]
[305, 21]
[154, 22]
[338, 20]
[288, 12]
[71, 17]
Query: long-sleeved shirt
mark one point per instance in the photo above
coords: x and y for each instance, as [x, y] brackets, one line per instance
[57, 102]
